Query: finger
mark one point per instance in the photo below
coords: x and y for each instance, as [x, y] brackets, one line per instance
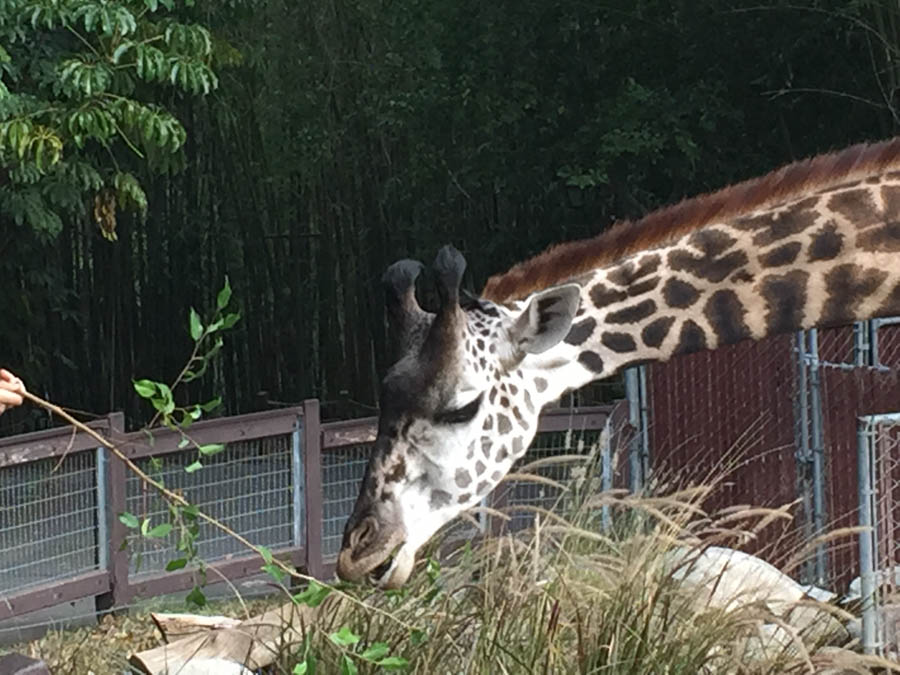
[8, 398]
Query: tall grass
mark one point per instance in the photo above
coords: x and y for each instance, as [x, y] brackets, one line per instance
[601, 584]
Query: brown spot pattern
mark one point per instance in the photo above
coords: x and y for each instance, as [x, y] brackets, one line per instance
[602, 296]
[847, 286]
[785, 300]
[618, 342]
[439, 499]
[691, 339]
[885, 238]
[725, 313]
[655, 332]
[781, 256]
[826, 243]
[462, 478]
[504, 426]
[679, 294]
[581, 331]
[857, 206]
[591, 360]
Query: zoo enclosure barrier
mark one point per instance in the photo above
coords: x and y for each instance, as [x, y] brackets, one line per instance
[285, 481]
[813, 417]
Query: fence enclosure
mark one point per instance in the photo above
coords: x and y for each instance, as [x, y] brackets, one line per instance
[285, 481]
[798, 411]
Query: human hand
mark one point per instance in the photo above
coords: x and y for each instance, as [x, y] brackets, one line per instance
[11, 389]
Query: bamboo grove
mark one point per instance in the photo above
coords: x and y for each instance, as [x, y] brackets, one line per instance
[149, 148]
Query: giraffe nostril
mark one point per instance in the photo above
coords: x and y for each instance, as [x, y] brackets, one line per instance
[363, 534]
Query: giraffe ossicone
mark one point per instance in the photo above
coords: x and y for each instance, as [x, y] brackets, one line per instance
[816, 243]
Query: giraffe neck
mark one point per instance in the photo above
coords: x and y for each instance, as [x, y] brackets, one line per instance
[823, 259]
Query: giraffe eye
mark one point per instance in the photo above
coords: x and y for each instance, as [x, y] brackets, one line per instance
[460, 415]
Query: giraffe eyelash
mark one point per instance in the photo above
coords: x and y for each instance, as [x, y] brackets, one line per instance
[460, 415]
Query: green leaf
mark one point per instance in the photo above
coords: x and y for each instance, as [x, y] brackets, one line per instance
[211, 449]
[313, 595]
[266, 554]
[177, 564]
[393, 663]
[347, 665]
[274, 571]
[193, 466]
[145, 388]
[344, 637]
[300, 668]
[375, 651]
[129, 520]
[224, 295]
[196, 326]
[160, 531]
[209, 406]
[196, 597]
[230, 320]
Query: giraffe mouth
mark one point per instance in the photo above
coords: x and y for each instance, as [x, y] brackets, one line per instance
[380, 575]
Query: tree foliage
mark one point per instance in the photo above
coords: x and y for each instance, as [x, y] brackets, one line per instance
[81, 104]
[345, 134]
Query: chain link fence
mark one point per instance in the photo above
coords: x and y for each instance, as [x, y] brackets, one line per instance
[776, 422]
[878, 588]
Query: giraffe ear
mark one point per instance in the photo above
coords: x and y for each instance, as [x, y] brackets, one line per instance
[546, 319]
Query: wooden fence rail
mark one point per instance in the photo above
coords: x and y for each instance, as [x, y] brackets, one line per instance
[109, 579]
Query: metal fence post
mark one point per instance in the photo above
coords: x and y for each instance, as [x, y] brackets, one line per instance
[103, 513]
[297, 483]
[639, 447]
[312, 465]
[803, 455]
[866, 489]
[115, 557]
[817, 449]
[606, 472]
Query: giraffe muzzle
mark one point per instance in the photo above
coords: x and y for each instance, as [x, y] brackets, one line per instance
[370, 552]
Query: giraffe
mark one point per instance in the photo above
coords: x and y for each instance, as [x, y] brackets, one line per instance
[816, 243]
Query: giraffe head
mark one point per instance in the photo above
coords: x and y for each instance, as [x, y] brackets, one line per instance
[458, 406]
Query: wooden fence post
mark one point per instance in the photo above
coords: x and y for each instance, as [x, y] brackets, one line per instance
[116, 557]
[312, 476]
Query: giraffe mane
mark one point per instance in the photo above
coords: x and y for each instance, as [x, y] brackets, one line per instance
[563, 262]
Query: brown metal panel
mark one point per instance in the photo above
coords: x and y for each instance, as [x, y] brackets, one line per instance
[728, 415]
[49, 443]
[149, 586]
[312, 466]
[350, 432]
[579, 419]
[83, 586]
[120, 593]
[221, 430]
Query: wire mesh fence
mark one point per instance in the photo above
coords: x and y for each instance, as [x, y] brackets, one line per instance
[878, 584]
[48, 517]
[540, 494]
[342, 471]
[786, 410]
[247, 487]
[343, 468]
[61, 506]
